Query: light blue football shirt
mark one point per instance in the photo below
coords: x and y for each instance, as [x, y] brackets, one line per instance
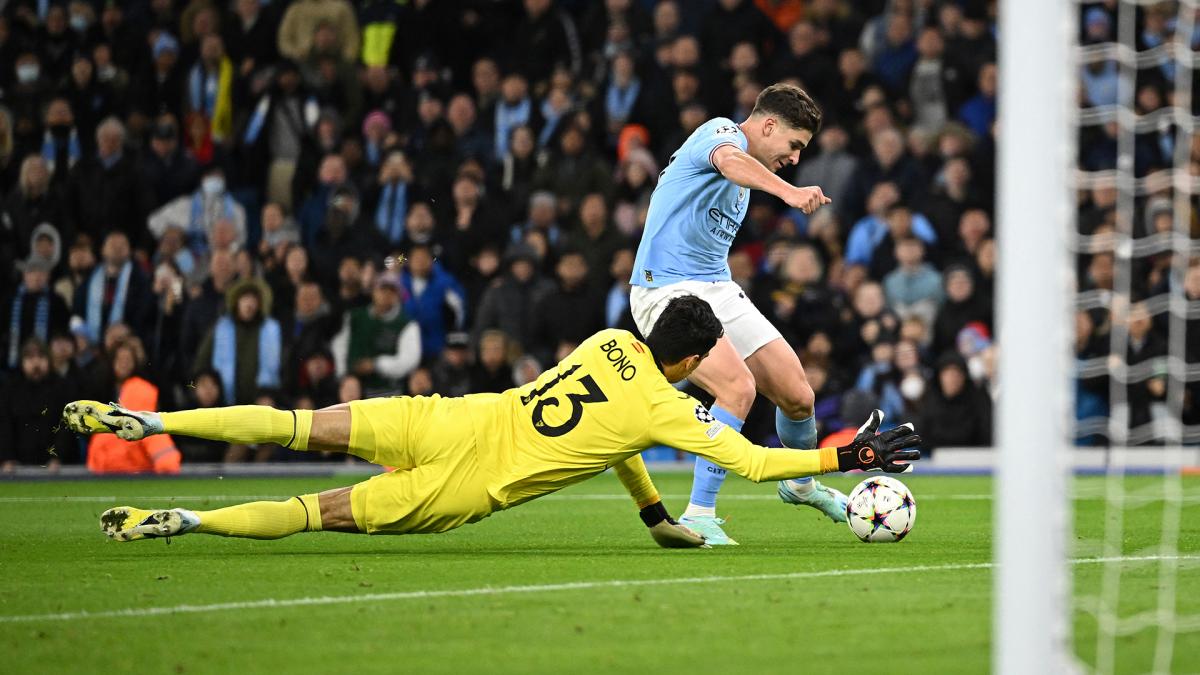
[695, 213]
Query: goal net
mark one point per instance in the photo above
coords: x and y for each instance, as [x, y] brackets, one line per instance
[1099, 286]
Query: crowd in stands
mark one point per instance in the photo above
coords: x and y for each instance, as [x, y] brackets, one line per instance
[218, 202]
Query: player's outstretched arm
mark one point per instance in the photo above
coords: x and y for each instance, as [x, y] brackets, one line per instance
[741, 168]
[663, 528]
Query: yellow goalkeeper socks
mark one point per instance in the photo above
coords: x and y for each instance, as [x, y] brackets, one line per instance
[248, 424]
[263, 520]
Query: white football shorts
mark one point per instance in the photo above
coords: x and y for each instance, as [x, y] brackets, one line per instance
[746, 327]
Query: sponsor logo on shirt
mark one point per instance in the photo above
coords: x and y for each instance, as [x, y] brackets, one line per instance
[649, 276]
[725, 228]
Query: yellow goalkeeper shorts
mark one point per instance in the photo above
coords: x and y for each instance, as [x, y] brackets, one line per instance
[437, 484]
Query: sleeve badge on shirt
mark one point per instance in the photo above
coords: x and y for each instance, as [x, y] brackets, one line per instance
[727, 129]
[704, 415]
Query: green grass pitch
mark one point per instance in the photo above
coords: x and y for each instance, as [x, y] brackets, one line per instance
[566, 583]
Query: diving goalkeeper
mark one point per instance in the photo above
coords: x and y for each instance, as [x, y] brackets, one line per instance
[459, 460]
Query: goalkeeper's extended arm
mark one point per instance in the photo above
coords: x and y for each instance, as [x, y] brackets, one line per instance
[868, 451]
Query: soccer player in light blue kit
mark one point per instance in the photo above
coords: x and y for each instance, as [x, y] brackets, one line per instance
[695, 212]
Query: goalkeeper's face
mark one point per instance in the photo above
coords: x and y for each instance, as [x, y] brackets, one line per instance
[677, 372]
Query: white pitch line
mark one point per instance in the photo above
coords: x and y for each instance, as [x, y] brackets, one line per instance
[272, 603]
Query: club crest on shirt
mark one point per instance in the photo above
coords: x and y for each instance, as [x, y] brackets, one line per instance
[727, 129]
[704, 415]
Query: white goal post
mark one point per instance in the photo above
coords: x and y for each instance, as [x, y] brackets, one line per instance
[1037, 85]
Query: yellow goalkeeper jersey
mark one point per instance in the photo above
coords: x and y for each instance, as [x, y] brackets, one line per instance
[601, 405]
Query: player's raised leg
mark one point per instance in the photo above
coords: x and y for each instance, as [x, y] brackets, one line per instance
[780, 377]
[725, 376]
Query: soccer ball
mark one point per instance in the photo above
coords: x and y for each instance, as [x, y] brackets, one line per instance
[881, 509]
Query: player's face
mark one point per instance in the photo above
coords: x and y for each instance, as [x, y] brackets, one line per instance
[781, 144]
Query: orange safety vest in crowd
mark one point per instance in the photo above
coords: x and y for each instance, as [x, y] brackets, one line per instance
[109, 454]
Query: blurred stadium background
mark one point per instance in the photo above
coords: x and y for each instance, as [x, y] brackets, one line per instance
[484, 166]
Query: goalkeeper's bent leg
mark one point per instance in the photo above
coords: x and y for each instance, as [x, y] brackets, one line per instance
[246, 424]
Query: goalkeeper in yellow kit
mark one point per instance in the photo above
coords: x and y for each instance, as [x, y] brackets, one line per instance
[459, 460]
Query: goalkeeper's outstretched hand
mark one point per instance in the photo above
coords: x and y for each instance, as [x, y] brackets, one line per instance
[666, 532]
[673, 535]
[871, 451]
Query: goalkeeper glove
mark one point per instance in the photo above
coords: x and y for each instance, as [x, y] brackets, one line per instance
[666, 532]
[870, 451]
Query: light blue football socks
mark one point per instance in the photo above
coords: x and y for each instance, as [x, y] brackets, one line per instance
[707, 477]
[800, 435]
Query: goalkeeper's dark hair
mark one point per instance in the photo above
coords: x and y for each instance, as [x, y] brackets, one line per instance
[791, 104]
[687, 327]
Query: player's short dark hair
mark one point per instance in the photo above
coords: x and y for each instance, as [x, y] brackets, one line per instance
[791, 104]
[687, 327]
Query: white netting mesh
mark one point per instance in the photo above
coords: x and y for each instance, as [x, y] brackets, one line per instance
[1137, 368]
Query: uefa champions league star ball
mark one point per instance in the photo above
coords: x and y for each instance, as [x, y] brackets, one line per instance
[881, 509]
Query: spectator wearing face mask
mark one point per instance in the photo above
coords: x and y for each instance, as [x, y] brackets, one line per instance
[27, 94]
[197, 213]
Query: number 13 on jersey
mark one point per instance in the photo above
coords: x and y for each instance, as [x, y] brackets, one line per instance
[591, 394]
